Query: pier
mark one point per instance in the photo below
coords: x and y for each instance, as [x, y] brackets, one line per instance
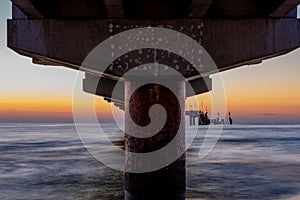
[233, 32]
[198, 117]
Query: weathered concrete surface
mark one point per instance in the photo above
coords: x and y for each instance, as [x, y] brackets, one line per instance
[28, 8]
[58, 9]
[114, 8]
[168, 182]
[282, 8]
[250, 8]
[62, 9]
[104, 87]
[198, 8]
[60, 40]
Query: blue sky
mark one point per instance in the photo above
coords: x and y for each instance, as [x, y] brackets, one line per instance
[19, 75]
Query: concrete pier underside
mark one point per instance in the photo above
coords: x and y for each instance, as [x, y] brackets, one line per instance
[234, 33]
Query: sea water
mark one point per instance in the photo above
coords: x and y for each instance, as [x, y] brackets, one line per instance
[48, 161]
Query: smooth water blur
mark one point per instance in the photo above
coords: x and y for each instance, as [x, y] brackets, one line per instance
[48, 161]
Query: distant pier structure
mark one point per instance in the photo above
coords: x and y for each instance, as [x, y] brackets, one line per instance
[202, 118]
[193, 114]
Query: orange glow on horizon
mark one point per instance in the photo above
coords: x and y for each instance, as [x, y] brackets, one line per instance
[242, 106]
[47, 108]
[254, 97]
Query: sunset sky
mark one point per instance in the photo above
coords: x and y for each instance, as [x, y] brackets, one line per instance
[265, 92]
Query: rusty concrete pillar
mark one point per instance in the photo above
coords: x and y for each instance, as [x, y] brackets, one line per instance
[168, 182]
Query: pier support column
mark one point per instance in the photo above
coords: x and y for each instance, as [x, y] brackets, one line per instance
[169, 181]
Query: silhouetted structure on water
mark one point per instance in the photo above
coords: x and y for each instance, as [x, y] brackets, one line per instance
[203, 118]
[230, 119]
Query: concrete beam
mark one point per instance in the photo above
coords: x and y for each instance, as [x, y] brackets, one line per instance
[199, 86]
[114, 8]
[28, 8]
[117, 103]
[198, 8]
[235, 9]
[104, 87]
[234, 43]
[250, 41]
[39, 61]
[17, 13]
[283, 8]
[292, 14]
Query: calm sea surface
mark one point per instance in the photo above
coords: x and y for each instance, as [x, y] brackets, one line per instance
[48, 161]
